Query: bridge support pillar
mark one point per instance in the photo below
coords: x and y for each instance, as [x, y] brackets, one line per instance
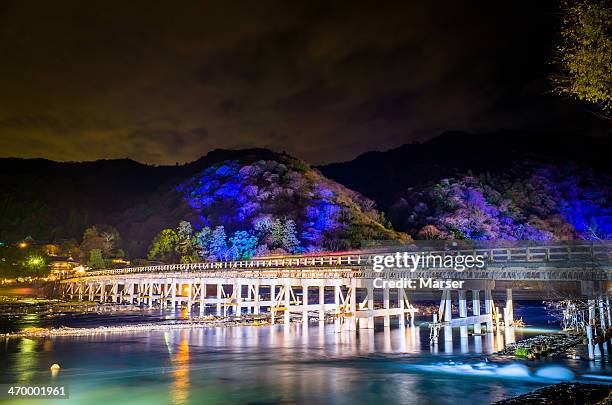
[509, 312]
[102, 292]
[238, 298]
[287, 318]
[272, 303]
[370, 292]
[202, 296]
[387, 322]
[173, 294]
[151, 292]
[305, 305]
[476, 308]
[463, 330]
[352, 297]
[401, 305]
[337, 309]
[257, 308]
[602, 316]
[448, 315]
[488, 306]
[219, 296]
[321, 303]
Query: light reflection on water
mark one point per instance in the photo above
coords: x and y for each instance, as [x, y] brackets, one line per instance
[281, 364]
[269, 365]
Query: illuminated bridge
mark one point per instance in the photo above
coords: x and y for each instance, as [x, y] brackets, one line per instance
[345, 287]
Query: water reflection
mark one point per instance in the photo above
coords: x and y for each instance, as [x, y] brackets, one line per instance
[180, 361]
[293, 363]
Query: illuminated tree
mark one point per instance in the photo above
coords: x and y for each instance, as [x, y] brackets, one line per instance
[163, 247]
[35, 263]
[585, 53]
[243, 245]
[186, 247]
[95, 259]
[218, 244]
[202, 241]
[283, 235]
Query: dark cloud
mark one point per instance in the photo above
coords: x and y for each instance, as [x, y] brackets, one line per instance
[324, 81]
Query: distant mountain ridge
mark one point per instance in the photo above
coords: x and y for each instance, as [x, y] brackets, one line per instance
[53, 200]
[49, 200]
[384, 176]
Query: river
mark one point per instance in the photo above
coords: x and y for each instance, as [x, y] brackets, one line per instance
[276, 364]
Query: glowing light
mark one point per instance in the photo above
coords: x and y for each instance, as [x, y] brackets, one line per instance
[23, 245]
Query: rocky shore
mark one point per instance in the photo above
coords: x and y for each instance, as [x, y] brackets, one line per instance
[195, 323]
[565, 393]
[542, 346]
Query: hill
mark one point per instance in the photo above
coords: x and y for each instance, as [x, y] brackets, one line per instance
[384, 176]
[50, 201]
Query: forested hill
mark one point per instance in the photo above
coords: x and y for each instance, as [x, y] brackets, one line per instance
[49, 200]
[505, 185]
[384, 176]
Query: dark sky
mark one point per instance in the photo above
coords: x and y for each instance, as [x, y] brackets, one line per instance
[323, 81]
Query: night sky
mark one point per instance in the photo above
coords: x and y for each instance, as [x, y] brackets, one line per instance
[324, 82]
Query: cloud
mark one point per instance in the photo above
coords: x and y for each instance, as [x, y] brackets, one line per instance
[322, 81]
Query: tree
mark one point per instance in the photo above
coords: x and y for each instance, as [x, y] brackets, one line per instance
[95, 259]
[584, 53]
[218, 244]
[92, 240]
[186, 245]
[243, 245]
[35, 263]
[202, 242]
[164, 245]
[283, 235]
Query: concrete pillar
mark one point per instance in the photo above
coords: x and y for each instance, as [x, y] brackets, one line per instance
[448, 315]
[305, 305]
[287, 302]
[370, 288]
[400, 299]
[202, 295]
[238, 297]
[386, 306]
[488, 302]
[602, 314]
[337, 310]
[509, 313]
[463, 330]
[272, 303]
[608, 311]
[219, 298]
[321, 303]
[151, 290]
[589, 332]
[353, 305]
[257, 308]
[476, 309]
[434, 330]
[164, 294]
[173, 289]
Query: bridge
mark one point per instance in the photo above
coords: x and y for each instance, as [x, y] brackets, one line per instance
[343, 286]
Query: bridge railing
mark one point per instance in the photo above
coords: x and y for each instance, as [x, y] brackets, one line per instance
[551, 253]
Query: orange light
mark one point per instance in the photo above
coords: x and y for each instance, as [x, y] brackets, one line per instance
[23, 245]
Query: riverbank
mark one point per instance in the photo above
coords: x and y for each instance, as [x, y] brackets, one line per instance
[541, 346]
[564, 393]
[195, 323]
